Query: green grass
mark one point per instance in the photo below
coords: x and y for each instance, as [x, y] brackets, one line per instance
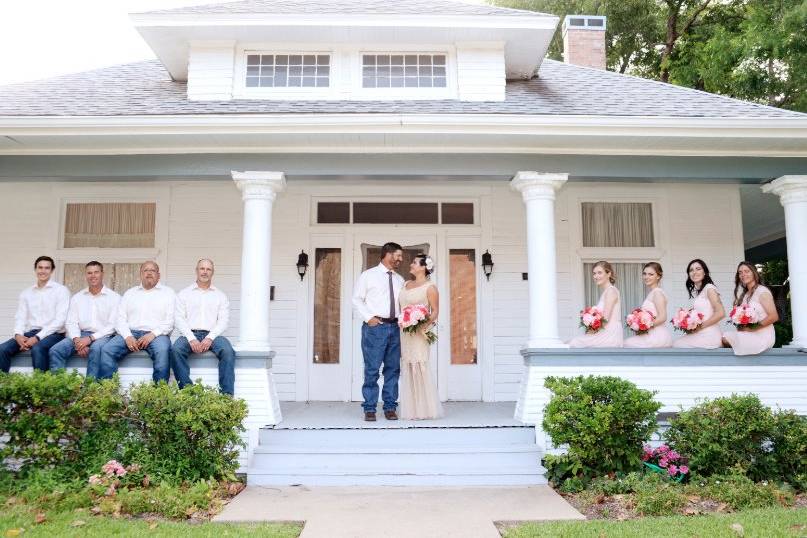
[61, 524]
[767, 523]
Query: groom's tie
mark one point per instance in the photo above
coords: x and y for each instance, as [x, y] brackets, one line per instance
[391, 297]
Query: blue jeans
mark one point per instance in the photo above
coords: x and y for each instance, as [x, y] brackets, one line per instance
[39, 353]
[221, 348]
[381, 345]
[65, 349]
[159, 350]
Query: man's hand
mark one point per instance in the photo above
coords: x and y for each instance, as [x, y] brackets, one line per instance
[145, 340]
[131, 343]
[196, 345]
[84, 352]
[30, 342]
[204, 345]
[21, 341]
[373, 322]
[81, 343]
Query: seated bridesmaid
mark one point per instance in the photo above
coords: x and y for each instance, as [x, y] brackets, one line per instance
[655, 303]
[749, 290]
[707, 302]
[611, 334]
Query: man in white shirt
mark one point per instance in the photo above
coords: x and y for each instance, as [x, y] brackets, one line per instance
[39, 322]
[90, 322]
[203, 312]
[375, 298]
[145, 320]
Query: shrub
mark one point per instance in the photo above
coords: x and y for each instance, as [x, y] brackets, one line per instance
[603, 421]
[189, 434]
[741, 493]
[617, 486]
[789, 449]
[168, 500]
[656, 496]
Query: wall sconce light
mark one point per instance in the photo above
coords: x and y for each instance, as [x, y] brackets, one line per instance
[487, 264]
[302, 264]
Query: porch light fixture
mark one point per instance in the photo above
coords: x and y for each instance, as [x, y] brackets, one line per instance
[487, 264]
[302, 264]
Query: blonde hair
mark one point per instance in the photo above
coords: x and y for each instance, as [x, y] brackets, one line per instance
[608, 269]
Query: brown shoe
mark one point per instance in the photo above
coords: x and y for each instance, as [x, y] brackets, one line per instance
[369, 416]
[391, 415]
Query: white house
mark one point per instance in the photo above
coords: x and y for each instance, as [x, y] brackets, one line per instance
[271, 128]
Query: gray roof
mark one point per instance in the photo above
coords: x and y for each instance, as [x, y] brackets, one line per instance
[346, 7]
[145, 88]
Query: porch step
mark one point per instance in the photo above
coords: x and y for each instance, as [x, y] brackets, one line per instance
[397, 456]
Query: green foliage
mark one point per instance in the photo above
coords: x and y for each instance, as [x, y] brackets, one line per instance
[190, 434]
[603, 421]
[655, 496]
[742, 493]
[168, 500]
[617, 486]
[789, 449]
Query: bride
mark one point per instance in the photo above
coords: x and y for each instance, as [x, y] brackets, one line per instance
[419, 398]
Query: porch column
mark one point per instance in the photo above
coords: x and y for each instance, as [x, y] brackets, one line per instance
[258, 190]
[538, 191]
[792, 193]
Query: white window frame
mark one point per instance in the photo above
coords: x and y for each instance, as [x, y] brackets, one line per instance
[241, 91]
[358, 91]
[355, 199]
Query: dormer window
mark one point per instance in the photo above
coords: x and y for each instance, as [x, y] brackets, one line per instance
[403, 70]
[288, 70]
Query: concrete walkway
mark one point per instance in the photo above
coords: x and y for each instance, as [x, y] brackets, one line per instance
[398, 512]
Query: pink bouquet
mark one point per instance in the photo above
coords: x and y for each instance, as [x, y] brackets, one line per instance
[592, 319]
[640, 321]
[746, 316]
[413, 318]
[687, 321]
[664, 459]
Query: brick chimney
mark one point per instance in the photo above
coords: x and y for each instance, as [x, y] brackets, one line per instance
[584, 40]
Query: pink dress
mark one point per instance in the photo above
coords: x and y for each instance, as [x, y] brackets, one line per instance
[608, 336]
[752, 342]
[658, 336]
[708, 338]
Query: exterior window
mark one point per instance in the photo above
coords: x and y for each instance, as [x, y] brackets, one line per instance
[333, 212]
[288, 70]
[608, 224]
[117, 276]
[327, 301]
[457, 213]
[462, 278]
[109, 225]
[394, 213]
[403, 70]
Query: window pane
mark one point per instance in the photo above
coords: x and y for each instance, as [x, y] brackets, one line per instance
[394, 213]
[383, 71]
[283, 70]
[462, 276]
[628, 282]
[458, 213]
[109, 225]
[333, 212]
[327, 300]
[74, 277]
[615, 224]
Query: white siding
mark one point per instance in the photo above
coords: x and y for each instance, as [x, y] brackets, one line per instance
[210, 72]
[480, 71]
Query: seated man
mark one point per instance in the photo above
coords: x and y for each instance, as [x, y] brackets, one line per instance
[203, 312]
[39, 322]
[90, 322]
[145, 319]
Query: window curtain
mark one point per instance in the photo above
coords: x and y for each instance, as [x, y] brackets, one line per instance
[628, 282]
[117, 276]
[327, 300]
[110, 225]
[607, 224]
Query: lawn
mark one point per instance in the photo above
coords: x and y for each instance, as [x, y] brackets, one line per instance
[767, 523]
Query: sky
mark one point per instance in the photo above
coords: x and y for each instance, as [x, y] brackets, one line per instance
[46, 38]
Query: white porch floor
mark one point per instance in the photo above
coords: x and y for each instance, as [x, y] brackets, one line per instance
[349, 415]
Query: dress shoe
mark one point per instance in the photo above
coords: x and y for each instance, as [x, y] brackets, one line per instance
[369, 416]
[391, 415]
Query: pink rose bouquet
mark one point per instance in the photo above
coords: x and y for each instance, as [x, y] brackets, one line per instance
[592, 319]
[414, 318]
[746, 316]
[663, 459]
[640, 321]
[687, 320]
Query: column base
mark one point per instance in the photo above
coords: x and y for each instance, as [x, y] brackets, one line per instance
[548, 343]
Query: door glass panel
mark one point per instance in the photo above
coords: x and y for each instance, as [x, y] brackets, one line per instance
[462, 278]
[327, 297]
[371, 256]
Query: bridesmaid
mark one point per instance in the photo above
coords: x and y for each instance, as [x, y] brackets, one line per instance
[611, 334]
[656, 303]
[707, 302]
[748, 289]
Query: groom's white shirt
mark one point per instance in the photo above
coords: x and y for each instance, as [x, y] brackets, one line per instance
[371, 293]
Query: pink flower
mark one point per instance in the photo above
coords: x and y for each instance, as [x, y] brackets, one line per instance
[673, 455]
[95, 480]
[673, 470]
[663, 462]
[683, 469]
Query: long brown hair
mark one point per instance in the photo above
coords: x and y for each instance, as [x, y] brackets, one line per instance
[740, 291]
[607, 268]
[655, 266]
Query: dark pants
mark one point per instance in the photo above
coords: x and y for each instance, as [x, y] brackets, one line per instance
[159, 350]
[221, 348]
[39, 353]
[381, 345]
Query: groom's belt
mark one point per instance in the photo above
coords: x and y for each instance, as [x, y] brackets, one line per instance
[388, 320]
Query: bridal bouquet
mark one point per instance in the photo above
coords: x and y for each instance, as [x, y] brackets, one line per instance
[746, 316]
[592, 319]
[413, 318]
[640, 321]
[686, 320]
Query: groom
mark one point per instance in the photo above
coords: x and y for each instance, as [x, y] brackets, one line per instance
[375, 298]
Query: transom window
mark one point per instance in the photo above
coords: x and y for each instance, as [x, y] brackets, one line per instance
[110, 225]
[395, 213]
[403, 70]
[288, 70]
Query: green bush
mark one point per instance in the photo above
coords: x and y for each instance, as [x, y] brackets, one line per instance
[175, 502]
[603, 421]
[58, 420]
[789, 449]
[655, 496]
[188, 435]
[742, 493]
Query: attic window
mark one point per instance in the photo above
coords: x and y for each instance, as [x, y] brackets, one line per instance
[288, 70]
[403, 70]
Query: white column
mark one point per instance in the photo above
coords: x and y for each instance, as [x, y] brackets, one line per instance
[259, 190]
[792, 192]
[538, 191]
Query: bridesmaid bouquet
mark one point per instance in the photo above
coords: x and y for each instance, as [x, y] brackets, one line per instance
[413, 318]
[592, 319]
[686, 321]
[640, 321]
[745, 316]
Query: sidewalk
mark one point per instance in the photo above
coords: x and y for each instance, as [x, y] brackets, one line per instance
[398, 512]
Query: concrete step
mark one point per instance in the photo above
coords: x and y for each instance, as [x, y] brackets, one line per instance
[259, 477]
